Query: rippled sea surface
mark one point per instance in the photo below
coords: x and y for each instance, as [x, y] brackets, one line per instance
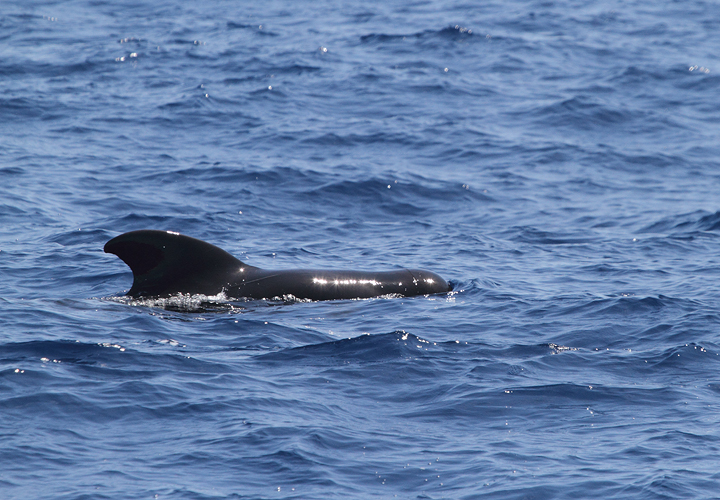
[557, 161]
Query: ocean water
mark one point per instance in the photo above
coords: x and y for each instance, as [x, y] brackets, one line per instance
[557, 161]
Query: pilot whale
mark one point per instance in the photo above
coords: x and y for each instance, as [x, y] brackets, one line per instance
[165, 263]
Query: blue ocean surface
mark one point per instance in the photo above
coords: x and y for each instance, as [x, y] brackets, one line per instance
[557, 161]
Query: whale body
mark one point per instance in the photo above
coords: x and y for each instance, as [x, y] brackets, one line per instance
[165, 263]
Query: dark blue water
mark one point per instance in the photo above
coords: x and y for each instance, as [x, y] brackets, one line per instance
[557, 161]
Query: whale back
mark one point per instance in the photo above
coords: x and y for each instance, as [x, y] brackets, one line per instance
[164, 263]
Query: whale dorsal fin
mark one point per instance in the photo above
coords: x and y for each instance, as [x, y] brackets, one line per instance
[164, 262]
